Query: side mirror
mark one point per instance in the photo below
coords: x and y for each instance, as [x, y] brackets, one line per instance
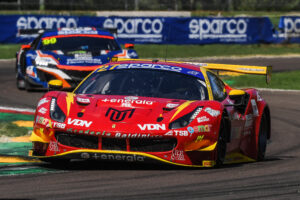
[25, 46]
[236, 94]
[129, 46]
[55, 85]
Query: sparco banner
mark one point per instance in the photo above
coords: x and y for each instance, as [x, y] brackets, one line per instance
[155, 30]
[289, 29]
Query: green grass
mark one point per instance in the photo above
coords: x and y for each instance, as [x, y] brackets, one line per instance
[190, 51]
[282, 80]
[187, 51]
[8, 50]
[12, 130]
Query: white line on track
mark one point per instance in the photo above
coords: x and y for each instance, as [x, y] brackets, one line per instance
[19, 110]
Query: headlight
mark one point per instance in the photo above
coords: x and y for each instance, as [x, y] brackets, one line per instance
[185, 120]
[44, 61]
[55, 112]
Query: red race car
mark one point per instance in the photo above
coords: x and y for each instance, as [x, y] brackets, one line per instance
[151, 111]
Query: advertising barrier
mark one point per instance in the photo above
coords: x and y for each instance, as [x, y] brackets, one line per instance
[160, 30]
[289, 29]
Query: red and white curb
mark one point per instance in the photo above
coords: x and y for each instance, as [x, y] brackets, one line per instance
[25, 111]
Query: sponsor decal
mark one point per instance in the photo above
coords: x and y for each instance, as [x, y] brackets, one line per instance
[53, 146]
[42, 101]
[172, 105]
[30, 71]
[117, 115]
[147, 29]
[254, 108]
[79, 122]
[292, 26]
[32, 22]
[224, 29]
[82, 58]
[152, 127]
[128, 101]
[79, 30]
[42, 110]
[56, 125]
[141, 66]
[199, 129]
[212, 112]
[259, 97]
[131, 98]
[83, 100]
[89, 132]
[119, 157]
[136, 135]
[177, 155]
[199, 138]
[249, 121]
[203, 119]
[41, 120]
[183, 133]
[190, 130]
[195, 73]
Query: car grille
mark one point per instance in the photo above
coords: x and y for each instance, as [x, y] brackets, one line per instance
[77, 75]
[94, 142]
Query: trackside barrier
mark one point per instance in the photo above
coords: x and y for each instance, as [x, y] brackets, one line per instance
[159, 30]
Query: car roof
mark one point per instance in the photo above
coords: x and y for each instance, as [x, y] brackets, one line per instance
[77, 31]
[180, 67]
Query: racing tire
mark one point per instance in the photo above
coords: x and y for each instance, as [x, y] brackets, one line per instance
[262, 138]
[20, 83]
[221, 144]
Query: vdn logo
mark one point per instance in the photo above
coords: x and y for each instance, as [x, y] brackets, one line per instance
[152, 127]
[117, 115]
[78, 122]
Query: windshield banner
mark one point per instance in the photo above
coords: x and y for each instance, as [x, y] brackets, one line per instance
[154, 30]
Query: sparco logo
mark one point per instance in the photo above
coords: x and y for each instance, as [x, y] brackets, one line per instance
[117, 115]
[45, 22]
[217, 29]
[292, 25]
[136, 27]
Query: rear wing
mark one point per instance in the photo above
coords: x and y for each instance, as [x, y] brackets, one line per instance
[242, 69]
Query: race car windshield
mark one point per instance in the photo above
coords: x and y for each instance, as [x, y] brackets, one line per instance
[146, 83]
[78, 43]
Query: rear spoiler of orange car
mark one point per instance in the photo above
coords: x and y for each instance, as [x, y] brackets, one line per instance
[242, 69]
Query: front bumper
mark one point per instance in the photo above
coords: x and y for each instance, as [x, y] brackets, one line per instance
[119, 156]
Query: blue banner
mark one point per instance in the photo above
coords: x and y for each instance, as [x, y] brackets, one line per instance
[149, 30]
[289, 30]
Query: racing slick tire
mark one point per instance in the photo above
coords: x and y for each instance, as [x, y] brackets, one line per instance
[20, 83]
[262, 138]
[222, 144]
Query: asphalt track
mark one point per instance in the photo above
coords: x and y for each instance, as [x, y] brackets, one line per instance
[278, 177]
